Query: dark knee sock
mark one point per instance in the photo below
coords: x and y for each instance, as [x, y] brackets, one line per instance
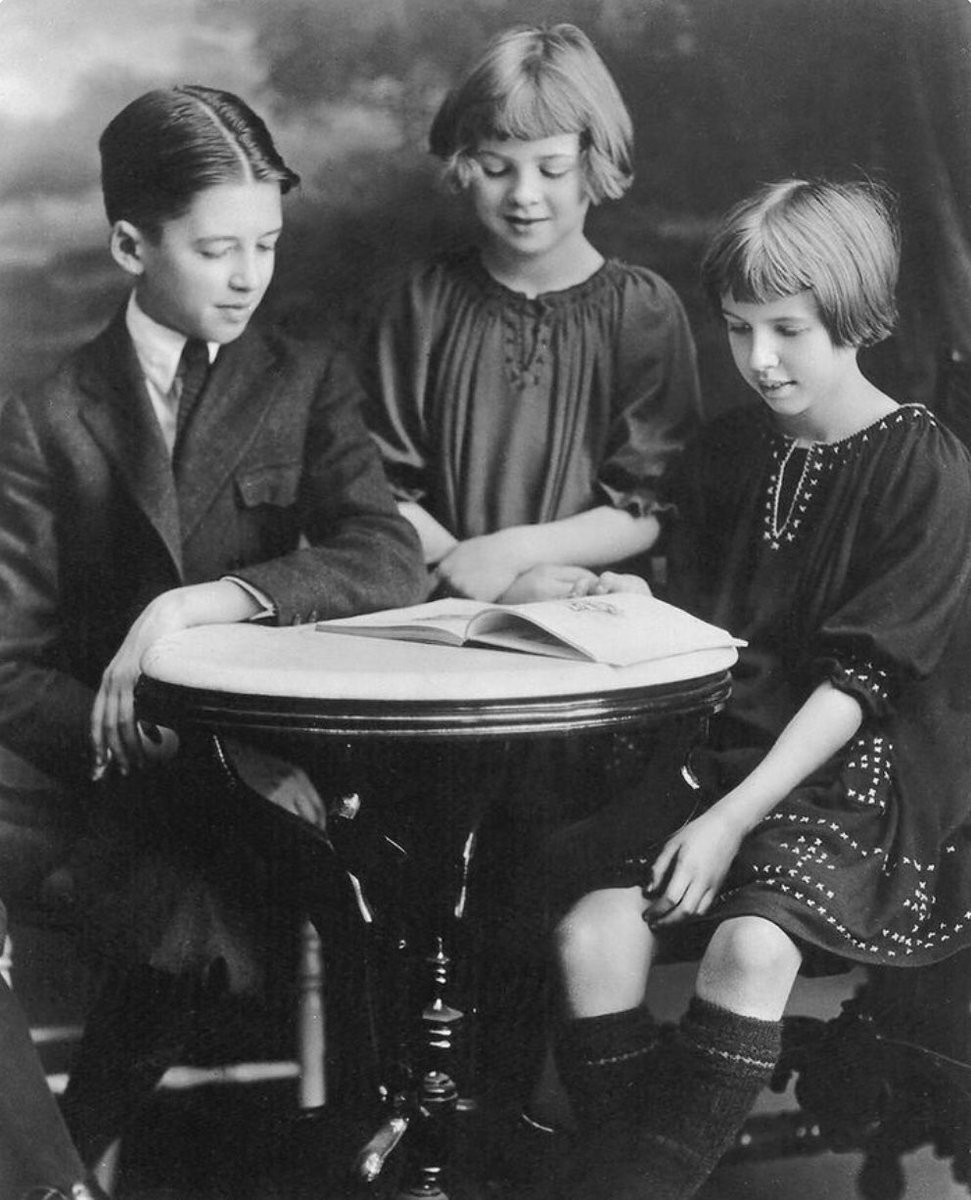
[35, 1149]
[601, 1064]
[138, 1027]
[703, 1079]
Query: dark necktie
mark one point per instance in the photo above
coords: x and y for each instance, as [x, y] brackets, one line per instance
[193, 370]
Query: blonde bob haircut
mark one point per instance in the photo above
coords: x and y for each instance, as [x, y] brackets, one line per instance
[841, 241]
[537, 82]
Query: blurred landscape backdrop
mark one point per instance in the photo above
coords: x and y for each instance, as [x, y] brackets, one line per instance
[724, 94]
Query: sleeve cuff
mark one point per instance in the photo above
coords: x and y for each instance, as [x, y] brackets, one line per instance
[868, 684]
[267, 607]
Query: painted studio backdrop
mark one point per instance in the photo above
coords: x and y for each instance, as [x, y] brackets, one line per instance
[724, 94]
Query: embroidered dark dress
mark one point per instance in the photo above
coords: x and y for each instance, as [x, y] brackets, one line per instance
[858, 574]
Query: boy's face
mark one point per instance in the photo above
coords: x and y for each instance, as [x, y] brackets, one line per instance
[207, 271]
[784, 352]
[530, 196]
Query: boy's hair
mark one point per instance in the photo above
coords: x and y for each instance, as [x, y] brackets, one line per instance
[533, 83]
[172, 143]
[841, 241]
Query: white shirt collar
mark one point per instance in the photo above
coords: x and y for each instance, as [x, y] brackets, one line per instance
[158, 347]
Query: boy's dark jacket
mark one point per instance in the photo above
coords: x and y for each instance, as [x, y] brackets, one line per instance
[277, 483]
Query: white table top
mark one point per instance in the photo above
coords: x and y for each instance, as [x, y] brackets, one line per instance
[300, 663]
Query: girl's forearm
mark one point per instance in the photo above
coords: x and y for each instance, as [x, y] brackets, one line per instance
[595, 538]
[436, 541]
[821, 727]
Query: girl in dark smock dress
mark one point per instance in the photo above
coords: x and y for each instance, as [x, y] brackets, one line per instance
[830, 528]
[528, 395]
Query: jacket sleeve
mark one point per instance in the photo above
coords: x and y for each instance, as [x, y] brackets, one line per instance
[357, 554]
[44, 706]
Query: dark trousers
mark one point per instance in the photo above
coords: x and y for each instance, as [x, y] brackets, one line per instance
[35, 1148]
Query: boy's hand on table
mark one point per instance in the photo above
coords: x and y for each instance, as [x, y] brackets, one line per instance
[115, 734]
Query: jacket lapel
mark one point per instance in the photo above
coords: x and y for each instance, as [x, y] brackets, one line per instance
[118, 412]
[238, 394]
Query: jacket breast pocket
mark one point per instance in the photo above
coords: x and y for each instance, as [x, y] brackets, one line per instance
[276, 485]
[267, 514]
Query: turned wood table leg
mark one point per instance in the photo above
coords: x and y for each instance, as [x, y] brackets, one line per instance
[431, 1132]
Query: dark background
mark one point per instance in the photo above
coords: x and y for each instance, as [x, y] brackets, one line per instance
[724, 94]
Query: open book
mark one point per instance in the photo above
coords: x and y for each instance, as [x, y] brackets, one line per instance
[618, 629]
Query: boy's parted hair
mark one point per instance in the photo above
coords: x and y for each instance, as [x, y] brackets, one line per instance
[172, 143]
[535, 82]
[841, 241]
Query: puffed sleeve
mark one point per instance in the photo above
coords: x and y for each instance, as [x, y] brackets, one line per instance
[656, 405]
[393, 362]
[910, 588]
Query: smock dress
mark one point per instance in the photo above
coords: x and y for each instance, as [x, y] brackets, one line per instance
[848, 562]
[490, 410]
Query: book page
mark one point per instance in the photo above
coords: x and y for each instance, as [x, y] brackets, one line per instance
[619, 629]
[520, 633]
[441, 621]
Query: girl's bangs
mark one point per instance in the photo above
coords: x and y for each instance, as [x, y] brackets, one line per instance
[529, 113]
[761, 270]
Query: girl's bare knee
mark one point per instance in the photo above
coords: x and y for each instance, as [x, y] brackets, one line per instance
[602, 931]
[750, 966]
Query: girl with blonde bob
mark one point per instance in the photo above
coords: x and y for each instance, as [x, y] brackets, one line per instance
[529, 393]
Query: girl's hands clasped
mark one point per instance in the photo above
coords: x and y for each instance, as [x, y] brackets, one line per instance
[481, 568]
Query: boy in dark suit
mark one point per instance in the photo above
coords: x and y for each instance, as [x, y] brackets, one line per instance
[185, 467]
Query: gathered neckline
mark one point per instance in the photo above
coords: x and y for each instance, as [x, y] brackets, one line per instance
[561, 296]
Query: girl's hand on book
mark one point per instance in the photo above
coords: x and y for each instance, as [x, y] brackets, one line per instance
[689, 871]
[548, 581]
[611, 581]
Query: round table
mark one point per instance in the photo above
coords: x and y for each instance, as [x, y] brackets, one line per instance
[448, 713]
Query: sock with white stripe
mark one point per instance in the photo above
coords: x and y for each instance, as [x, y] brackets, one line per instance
[702, 1079]
[600, 1062]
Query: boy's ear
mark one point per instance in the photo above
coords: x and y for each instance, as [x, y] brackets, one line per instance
[127, 247]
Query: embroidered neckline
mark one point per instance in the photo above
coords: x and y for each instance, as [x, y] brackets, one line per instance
[821, 457]
[776, 532]
[903, 412]
[777, 528]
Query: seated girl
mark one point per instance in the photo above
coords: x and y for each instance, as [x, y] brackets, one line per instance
[829, 526]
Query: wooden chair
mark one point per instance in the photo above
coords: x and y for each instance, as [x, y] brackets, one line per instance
[36, 828]
[889, 1074]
